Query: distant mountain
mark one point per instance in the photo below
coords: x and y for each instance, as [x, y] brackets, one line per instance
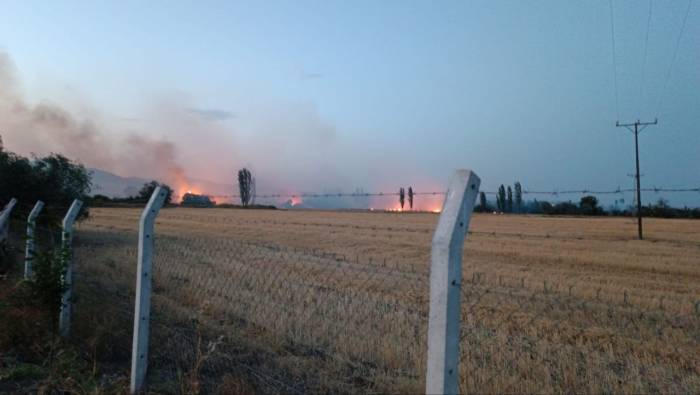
[114, 186]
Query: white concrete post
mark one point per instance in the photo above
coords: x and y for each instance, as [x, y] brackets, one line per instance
[445, 283]
[5, 219]
[144, 274]
[29, 251]
[67, 257]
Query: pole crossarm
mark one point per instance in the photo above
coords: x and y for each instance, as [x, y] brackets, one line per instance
[636, 124]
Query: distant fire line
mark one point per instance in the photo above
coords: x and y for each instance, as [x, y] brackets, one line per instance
[327, 195]
[525, 192]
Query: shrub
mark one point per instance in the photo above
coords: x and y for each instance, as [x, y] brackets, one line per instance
[46, 285]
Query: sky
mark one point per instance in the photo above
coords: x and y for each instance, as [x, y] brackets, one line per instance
[318, 96]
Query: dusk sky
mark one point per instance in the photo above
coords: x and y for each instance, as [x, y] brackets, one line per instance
[378, 94]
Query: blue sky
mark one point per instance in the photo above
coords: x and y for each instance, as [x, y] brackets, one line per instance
[376, 94]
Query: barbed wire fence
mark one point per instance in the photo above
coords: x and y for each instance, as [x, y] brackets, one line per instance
[219, 303]
[518, 339]
[237, 315]
[583, 191]
[343, 322]
[349, 320]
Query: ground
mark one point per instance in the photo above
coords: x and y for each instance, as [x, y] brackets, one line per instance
[319, 301]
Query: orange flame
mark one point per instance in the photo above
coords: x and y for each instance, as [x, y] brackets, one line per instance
[296, 200]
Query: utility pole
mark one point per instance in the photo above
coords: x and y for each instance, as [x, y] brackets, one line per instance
[634, 185]
[636, 132]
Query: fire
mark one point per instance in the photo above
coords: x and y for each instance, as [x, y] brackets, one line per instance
[180, 192]
[181, 186]
[181, 189]
[296, 200]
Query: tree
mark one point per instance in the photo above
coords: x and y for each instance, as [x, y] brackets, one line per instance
[565, 208]
[509, 201]
[46, 286]
[518, 197]
[402, 195]
[148, 188]
[54, 179]
[245, 182]
[546, 207]
[501, 198]
[410, 197]
[589, 205]
[17, 178]
[482, 202]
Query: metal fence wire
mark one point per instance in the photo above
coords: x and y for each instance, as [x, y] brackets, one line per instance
[519, 337]
[317, 321]
[240, 312]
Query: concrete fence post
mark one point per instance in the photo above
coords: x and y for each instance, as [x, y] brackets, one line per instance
[445, 283]
[5, 219]
[29, 251]
[67, 257]
[144, 274]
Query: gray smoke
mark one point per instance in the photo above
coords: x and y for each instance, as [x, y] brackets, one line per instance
[45, 127]
[288, 145]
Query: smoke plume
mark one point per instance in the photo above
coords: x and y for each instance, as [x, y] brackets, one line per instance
[288, 146]
[46, 127]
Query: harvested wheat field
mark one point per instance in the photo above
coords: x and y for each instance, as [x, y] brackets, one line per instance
[273, 301]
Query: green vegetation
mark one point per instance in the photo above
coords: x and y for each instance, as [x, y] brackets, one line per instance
[510, 200]
[54, 179]
[33, 358]
[140, 198]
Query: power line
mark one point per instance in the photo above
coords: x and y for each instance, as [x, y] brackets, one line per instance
[612, 31]
[673, 58]
[644, 61]
[610, 192]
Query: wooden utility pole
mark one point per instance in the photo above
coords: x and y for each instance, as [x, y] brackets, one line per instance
[636, 132]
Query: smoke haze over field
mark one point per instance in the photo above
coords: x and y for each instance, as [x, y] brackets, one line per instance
[326, 96]
[202, 145]
[45, 127]
[289, 147]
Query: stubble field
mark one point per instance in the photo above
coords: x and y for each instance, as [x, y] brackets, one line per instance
[316, 301]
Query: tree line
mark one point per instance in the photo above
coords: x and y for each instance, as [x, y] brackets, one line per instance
[57, 181]
[53, 179]
[510, 200]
